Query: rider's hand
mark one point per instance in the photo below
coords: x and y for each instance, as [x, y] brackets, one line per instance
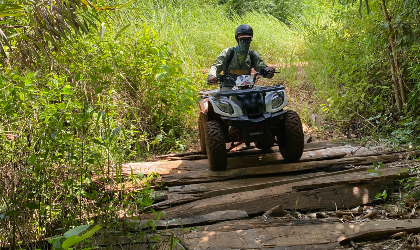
[270, 72]
[212, 79]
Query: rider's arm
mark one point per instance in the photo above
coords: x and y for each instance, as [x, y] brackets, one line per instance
[219, 64]
[258, 63]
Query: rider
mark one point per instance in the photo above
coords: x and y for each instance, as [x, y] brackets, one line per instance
[238, 60]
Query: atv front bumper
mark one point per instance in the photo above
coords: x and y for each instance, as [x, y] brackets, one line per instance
[245, 124]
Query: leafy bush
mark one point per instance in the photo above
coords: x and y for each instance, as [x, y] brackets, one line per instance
[349, 63]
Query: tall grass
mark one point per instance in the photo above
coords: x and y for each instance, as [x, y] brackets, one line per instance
[197, 31]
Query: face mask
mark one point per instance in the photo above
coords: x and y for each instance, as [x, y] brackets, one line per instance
[243, 47]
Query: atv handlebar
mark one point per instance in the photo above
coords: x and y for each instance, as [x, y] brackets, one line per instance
[222, 78]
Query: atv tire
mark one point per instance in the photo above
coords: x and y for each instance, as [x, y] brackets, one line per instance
[202, 135]
[290, 137]
[216, 146]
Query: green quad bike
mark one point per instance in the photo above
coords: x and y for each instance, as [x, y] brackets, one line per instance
[246, 114]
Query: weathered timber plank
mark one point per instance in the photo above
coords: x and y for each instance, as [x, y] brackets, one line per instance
[259, 222]
[256, 186]
[258, 201]
[384, 173]
[294, 236]
[251, 158]
[218, 216]
[182, 194]
[210, 176]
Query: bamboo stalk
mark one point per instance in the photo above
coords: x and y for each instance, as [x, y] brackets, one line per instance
[394, 80]
[394, 64]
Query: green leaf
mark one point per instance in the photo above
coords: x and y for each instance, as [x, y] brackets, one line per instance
[11, 213]
[32, 205]
[66, 90]
[107, 69]
[114, 133]
[160, 76]
[121, 31]
[76, 231]
[167, 69]
[99, 90]
[74, 239]
[32, 159]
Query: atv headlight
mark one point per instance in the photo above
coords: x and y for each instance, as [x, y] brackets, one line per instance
[225, 106]
[277, 100]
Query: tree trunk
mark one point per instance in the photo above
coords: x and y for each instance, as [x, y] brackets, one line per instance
[395, 70]
[394, 80]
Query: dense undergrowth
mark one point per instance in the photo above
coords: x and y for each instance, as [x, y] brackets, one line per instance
[87, 89]
[350, 56]
[100, 88]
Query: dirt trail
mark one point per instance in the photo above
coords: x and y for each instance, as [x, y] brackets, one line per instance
[325, 201]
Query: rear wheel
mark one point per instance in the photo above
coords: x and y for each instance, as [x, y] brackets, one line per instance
[216, 145]
[202, 137]
[290, 137]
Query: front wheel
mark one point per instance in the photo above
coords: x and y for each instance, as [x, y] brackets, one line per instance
[202, 135]
[290, 137]
[216, 146]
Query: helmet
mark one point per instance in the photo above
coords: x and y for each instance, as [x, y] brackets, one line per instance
[243, 30]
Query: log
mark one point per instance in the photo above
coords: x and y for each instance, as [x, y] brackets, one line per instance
[325, 235]
[342, 196]
[210, 176]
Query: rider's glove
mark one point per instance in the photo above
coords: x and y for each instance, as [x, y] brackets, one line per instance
[269, 72]
[211, 79]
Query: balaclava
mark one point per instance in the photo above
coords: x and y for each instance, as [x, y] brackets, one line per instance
[243, 47]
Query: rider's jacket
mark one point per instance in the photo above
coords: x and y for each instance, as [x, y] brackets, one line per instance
[235, 68]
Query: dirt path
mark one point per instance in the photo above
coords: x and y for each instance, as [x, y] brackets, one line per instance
[326, 201]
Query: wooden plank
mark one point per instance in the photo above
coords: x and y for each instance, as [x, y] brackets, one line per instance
[182, 194]
[329, 198]
[259, 222]
[214, 217]
[182, 166]
[250, 158]
[210, 176]
[199, 156]
[294, 236]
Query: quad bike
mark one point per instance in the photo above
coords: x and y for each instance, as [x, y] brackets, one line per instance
[246, 114]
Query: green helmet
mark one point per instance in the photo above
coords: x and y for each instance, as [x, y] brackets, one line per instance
[243, 30]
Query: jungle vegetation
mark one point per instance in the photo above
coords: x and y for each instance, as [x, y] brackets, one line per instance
[89, 85]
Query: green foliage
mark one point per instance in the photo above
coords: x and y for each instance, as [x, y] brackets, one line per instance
[377, 166]
[38, 28]
[71, 237]
[283, 10]
[348, 56]
[381, 196]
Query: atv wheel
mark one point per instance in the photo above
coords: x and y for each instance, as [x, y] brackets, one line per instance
[216, 146]
[202, 137]
[290, 137]
[263, 145]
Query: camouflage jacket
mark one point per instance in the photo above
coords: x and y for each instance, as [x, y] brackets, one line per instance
[234, 68]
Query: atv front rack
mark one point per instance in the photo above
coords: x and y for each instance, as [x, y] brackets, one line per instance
[246, 91]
